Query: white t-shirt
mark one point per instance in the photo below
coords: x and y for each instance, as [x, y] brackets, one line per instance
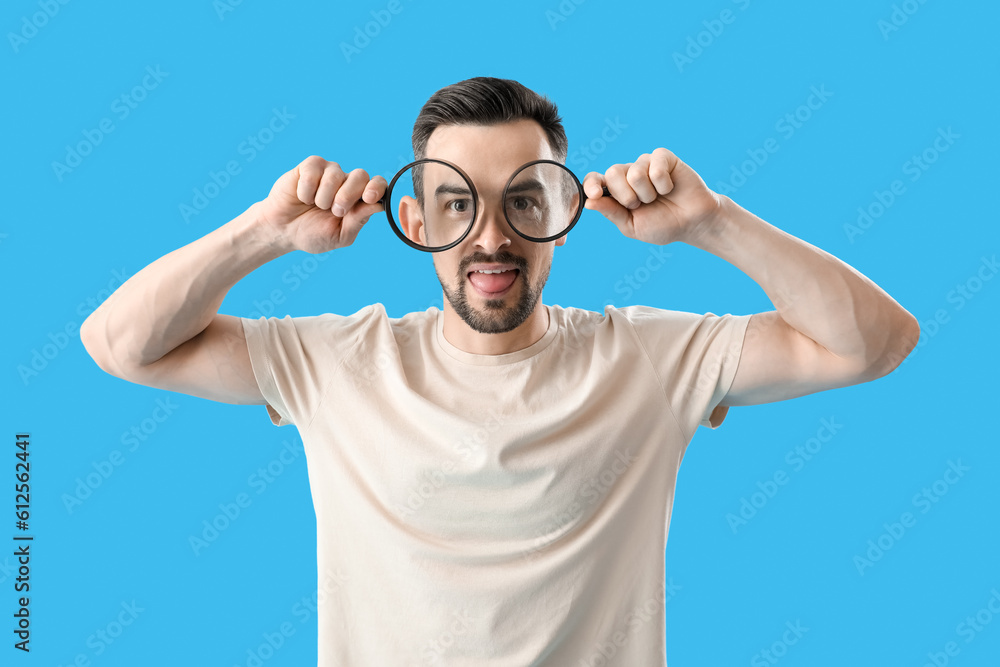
[504, 509]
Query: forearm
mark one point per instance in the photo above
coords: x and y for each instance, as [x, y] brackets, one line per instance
[175, 298]
[813, 291]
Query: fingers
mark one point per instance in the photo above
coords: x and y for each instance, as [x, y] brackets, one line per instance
[593, 184]
[375, 190]
[332, 178]
[359, 210]
[642, 181]
[638, 178]
[661, 165]
[619, 186]
[350, 192]
[325, 185]
[310, 171]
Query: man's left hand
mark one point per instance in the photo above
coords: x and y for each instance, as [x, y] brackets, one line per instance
[657, 199]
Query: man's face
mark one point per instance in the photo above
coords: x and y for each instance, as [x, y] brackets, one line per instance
[489, 155]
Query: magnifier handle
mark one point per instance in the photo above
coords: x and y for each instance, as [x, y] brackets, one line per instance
[604, 191]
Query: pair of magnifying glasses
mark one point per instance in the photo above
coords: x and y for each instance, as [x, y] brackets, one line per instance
[432, 204]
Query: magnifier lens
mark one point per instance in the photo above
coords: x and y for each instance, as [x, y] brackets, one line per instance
[542, 200]
[432, 204]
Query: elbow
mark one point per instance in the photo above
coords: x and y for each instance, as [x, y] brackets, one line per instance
[97, 346]
[88, 337]
[899, 343]
[109, 351]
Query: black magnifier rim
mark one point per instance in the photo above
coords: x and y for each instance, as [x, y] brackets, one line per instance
[388, 209]
[579, 209]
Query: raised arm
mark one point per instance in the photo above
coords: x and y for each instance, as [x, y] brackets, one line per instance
[162, 328]
[832, 326]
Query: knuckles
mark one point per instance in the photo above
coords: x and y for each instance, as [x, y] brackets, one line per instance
[658, 174]
[634, 176]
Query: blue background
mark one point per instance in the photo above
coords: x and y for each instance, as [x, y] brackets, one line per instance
[65, 234]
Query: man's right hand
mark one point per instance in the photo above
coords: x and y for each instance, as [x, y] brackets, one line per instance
[316, 207]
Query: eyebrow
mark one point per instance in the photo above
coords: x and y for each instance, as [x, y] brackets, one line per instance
[523, 186]
[451, 190]
[529, 184]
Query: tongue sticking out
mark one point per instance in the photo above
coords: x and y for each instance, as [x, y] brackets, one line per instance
[493, 282]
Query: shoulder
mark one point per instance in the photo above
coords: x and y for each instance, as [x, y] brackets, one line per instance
[676, 332]
[626, 319]
[643, 314]
[315, 328]
[623, 321]
[678, 322]
[370, 317]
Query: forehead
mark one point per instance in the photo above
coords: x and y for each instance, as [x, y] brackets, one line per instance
[489, 154]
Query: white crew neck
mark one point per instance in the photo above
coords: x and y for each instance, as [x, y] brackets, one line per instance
[555, 316]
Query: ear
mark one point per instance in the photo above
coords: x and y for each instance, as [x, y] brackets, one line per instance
[573, 203]
[410, 220]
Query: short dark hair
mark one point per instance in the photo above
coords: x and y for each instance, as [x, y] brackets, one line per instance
[486, 100]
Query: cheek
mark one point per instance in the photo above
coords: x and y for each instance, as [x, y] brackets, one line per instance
[445, 268]
[540, 264]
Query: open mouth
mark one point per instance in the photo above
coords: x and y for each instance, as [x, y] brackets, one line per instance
[492, 285]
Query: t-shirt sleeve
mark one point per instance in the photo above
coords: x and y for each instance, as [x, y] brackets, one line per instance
[294, 358]
[695, 358]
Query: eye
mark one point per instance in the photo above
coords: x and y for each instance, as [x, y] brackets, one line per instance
[459, 205]
[521, 203]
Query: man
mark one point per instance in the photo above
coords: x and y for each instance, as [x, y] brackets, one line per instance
[493, 482]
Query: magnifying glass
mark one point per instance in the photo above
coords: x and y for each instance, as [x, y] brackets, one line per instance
[436, 202]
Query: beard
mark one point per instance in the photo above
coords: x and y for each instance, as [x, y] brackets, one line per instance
[496, 316]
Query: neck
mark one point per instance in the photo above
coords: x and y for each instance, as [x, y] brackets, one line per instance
[465, 338]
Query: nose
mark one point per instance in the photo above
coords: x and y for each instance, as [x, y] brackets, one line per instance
[491, 231]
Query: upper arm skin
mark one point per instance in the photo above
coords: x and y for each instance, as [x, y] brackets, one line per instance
[778, 362]
[214, 364]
